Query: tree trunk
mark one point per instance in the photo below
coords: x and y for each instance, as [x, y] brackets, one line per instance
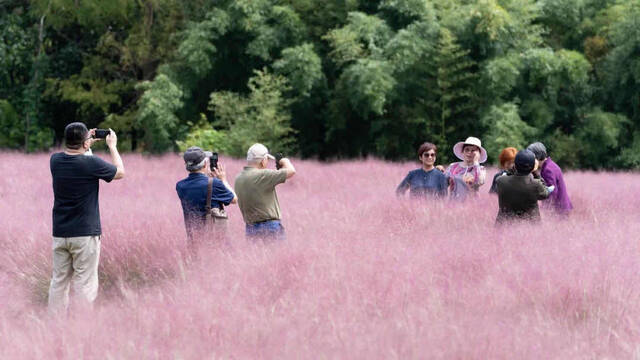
[34, 79]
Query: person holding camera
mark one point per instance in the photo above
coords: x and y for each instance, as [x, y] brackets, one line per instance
[519, 193]
[203, 195]
[76, 213]
[257, 198]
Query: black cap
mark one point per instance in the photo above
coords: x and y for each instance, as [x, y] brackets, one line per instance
[193, 157]
[75, 134]
[525, 162]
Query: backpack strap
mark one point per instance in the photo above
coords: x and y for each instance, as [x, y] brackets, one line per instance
[209, 191]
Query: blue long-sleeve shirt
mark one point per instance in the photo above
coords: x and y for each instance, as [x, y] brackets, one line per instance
[432, 183]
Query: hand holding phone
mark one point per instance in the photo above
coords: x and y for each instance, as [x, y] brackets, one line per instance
[101, 133]
[278, 157]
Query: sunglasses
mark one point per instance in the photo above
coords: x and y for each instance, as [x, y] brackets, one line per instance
[429, 154]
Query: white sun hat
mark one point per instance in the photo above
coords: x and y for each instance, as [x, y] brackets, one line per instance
[457, 148]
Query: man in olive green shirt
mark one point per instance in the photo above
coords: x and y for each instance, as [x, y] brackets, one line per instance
[255, 187]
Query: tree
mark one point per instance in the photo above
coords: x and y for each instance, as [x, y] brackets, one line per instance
[302, 67]
[599, 135]
[262, 116]
[453, 95]
[157, 115]
[630, 156]
[506, 128]
[202, 134]
[24, 63]
[126, 52]
[363, 36]
[11, 135]
[622, 64]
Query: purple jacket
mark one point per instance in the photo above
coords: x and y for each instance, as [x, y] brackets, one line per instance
[552, 175]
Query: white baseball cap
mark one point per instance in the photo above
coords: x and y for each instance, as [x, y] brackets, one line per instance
[258, 152]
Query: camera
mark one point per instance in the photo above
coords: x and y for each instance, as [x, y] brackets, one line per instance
[101, 133]
[213, 161]
[278, 157]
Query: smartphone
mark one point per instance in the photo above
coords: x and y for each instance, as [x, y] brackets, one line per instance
[213, 161]
[101, 133]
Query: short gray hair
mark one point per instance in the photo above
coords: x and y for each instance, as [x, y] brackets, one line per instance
[539, 150]
[196, 167]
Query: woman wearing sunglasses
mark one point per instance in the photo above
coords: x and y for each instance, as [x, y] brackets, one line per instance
[427, 181]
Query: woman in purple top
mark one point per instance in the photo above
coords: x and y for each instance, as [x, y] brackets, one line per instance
[426, 181]
[552, 176]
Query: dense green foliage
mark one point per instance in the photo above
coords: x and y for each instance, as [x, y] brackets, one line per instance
[327, 78]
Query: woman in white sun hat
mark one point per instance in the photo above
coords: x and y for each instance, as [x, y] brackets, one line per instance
[467, 173]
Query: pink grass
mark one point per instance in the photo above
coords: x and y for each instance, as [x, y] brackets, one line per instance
[361, 274]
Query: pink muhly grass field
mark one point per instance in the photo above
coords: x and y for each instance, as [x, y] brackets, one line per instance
[361, 275]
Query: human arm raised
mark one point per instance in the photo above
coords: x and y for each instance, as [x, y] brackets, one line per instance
[221, 174]
[285, 164]
[112, 142]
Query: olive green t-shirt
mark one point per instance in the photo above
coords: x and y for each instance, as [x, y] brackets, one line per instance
[256, 191]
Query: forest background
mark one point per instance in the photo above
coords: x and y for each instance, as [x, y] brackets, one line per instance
[327, 79]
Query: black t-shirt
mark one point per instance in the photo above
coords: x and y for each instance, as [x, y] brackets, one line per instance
[75, 189]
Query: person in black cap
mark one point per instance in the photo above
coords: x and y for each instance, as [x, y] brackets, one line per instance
[76, 224]
[193, 191]
[518, 195]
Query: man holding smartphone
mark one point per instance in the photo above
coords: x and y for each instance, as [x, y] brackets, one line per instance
[193, 191]
[76, 214]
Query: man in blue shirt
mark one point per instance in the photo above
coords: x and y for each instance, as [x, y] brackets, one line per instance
[192, 192]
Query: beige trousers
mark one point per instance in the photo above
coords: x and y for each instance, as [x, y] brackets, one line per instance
[75, 260]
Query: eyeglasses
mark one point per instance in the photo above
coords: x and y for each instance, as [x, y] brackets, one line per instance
[429, 155]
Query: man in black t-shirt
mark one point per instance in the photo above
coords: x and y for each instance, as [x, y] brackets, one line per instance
[76, 214]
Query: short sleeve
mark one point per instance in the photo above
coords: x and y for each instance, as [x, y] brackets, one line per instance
[274, 177]
[101, 169]
[220, 193]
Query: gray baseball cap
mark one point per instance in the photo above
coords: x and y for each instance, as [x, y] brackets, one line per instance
[194, 158]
